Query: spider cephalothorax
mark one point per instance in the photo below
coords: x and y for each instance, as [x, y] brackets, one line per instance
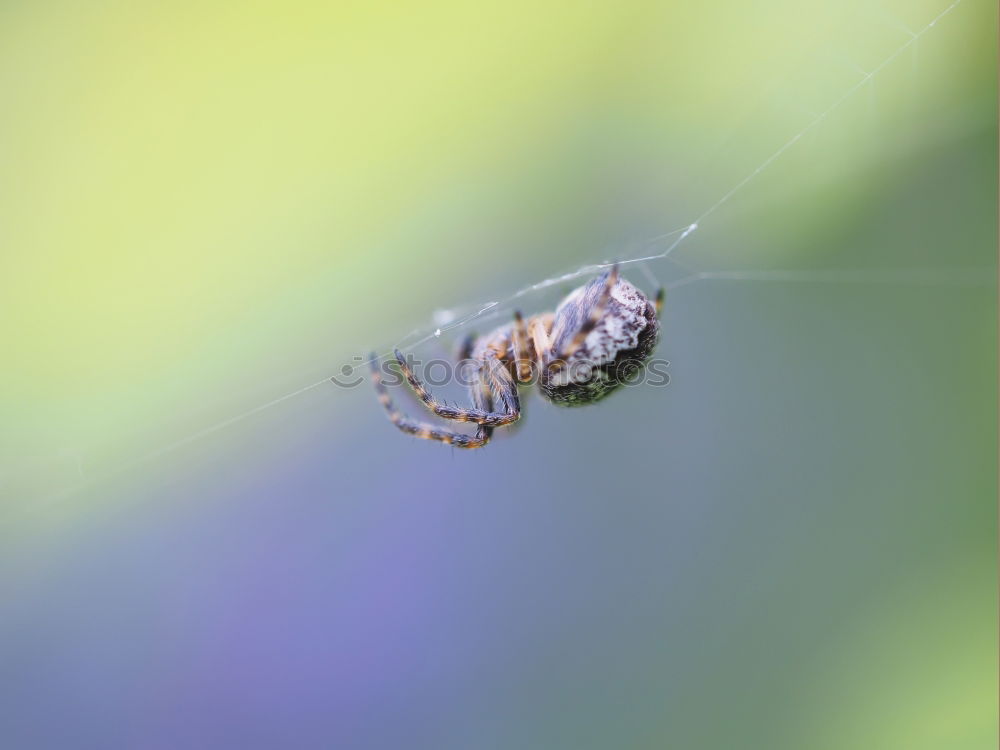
[596, 340]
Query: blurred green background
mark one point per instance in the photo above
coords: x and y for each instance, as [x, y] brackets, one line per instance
[208, 206]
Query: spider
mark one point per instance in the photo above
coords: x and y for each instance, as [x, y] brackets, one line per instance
[595, 341]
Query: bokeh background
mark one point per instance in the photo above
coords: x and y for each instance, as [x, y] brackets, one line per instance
[206, 207]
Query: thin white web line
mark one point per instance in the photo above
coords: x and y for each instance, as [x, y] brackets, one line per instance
[925, 276]
[164, 449]
[225, 423]
[908, 276]
[823, 115]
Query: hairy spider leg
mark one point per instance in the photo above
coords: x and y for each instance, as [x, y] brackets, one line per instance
[465, 350]
[519, 338]
[429, 431]
[542, 343]
[501, 384]
[596, 313]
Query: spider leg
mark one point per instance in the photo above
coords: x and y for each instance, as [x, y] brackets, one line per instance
[479, 416]
[542, 342]
[465, 350]
[659, 301]
[503, 389]
[429, 431]
[596, 313]
[522, 363]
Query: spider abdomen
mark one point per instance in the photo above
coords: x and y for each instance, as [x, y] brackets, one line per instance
[621, 341]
